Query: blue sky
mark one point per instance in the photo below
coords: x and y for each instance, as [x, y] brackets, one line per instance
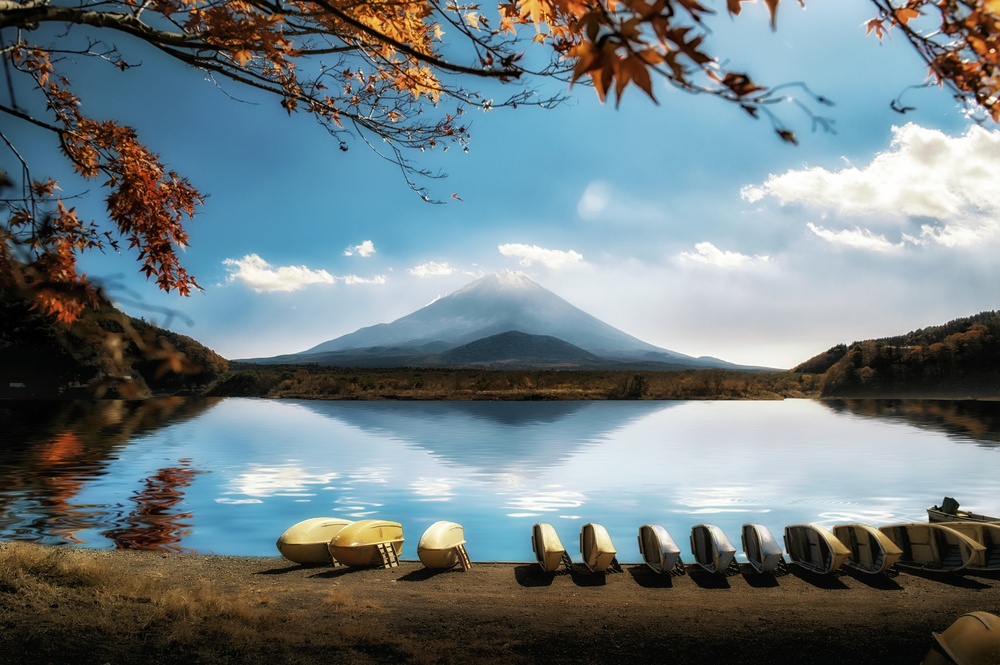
[686, 224]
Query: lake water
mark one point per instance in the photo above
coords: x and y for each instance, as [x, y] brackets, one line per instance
[228, 476]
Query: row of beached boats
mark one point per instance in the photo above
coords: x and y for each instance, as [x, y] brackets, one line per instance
[961, 543]
[367, 543]
[949, 547]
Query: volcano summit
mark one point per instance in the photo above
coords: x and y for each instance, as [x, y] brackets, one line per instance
[502, 320]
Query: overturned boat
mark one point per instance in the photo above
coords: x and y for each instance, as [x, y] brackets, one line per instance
[711, 548]
[443, 546]
[814, 548]
[761, 549]
[368, 543]
[933, 546]
[549, 550]
[596, 547]
[306, 541]
[658, 549]
[871, 550]
[987, 535]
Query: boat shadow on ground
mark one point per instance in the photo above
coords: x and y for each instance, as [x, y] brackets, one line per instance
[422, 574]
[293, 569]
[531, 575]
[829, 581]
[707, 580]
[758, 580]
[959, 579]
[649, 579]
[881, 581]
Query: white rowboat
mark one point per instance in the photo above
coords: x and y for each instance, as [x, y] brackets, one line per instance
[711, 548]
[658, 549]
[814, 548]
[443, 546]
[305, 542]
[761, 549]
[596, 547]
[871, 550]
[549, 550]
[368, 543]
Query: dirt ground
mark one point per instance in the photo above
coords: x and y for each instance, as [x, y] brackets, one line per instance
[492, 613]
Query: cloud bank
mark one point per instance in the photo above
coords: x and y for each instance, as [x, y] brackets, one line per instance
[709, 254]
[262, 277]
[550, 258]
[943, 185]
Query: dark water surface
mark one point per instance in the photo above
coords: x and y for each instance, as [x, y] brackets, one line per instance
[229, 475]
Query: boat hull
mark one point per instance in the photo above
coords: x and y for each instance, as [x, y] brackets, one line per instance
[814, 548]
[361, 543]
[596, 547]
[549, 551]
[871, 550]
[933, 547]
[762, 551]
[935, 514]
[987, 535]
[306, 541]
[442, 546]
[658, 549]
[711, 548]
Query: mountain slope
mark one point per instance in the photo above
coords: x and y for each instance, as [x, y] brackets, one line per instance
[517, 349]
[495, 304]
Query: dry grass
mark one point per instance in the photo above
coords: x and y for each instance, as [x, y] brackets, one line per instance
[55, 602]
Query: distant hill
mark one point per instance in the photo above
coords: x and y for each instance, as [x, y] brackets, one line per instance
[104, 352]
[518, 349]
[493, 308]
[958, 359]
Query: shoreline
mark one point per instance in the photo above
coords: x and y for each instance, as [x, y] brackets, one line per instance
[128, 606]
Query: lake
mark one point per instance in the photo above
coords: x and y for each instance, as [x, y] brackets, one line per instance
[227, 476]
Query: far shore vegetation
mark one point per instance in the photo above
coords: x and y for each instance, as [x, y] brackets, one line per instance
[313, 382]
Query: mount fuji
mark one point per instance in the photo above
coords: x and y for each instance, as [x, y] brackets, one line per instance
[501, 320]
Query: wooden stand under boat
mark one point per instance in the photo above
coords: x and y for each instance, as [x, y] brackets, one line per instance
[368, 543]
[443, 546]
[711, 548]
[549, 550]
[658, 549]
[306, 542]
[933, 546]
[985, 534]
[761, 549]
[871, 550]
[596, 547]
[815, 548]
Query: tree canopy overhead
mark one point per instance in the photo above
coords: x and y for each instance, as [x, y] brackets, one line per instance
[395, 74]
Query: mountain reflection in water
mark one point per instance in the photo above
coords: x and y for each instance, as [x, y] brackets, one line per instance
[228, 476]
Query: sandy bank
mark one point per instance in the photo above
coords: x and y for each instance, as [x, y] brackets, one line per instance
[214, 609]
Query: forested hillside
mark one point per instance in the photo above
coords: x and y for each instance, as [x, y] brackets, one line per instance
[958, 359]
[103, 353]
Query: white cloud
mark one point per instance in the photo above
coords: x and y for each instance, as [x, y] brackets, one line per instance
[351, 280]
[431, 269]
[594, 200]
[924, 174]
[262, 277]
[706, 252]
[364, 250]
[259, 275]
[550, 258]
[856, 237]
